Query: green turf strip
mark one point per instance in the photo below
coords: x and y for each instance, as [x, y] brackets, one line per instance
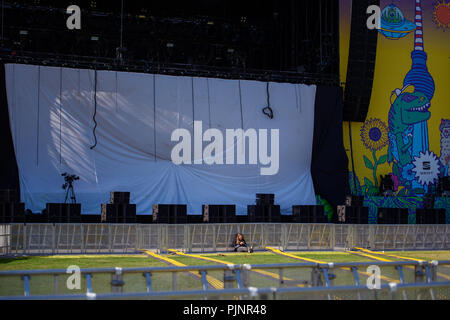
[235, 258]
[189, 261]
[136, 282]
[423, 255]
[83, 261]
[332, 257]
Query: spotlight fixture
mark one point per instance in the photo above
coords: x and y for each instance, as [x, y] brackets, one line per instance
[94, 38]
[170, 45]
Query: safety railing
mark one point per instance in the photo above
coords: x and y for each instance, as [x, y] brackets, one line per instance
[425, 284]
[127, 238]
[5, 237]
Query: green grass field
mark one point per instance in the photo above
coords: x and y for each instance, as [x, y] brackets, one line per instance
[186, 281]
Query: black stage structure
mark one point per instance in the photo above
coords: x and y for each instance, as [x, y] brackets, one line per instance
[287, 41]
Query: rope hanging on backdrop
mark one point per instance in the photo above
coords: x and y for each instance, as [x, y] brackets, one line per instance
[352, 159]
[268, 110]
[95, 111]
[209, 102]
[240, 104]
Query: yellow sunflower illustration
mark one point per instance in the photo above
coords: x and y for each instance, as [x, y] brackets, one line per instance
[374, 134]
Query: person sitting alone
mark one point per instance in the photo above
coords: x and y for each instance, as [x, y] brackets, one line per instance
[240, 245]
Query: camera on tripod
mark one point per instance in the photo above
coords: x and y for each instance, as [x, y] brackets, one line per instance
[69, 179]
[68, 186]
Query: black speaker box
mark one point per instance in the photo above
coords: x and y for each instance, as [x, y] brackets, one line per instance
[430, 216]
[354, 201]
[118, 197]
[267, 213]
[9, 196]
[91, 218]
[287, 218]
[170, 213]
[144, 218]
[242, 218]
[36, 218]
[12, 212]
[213, 213]
[309, 214]
[392, 216]
[428, 201]
[64, 212]
[356, 215]
[443, 185]
[361, 63]
[265, 199]
[118, 213]
[194, 218]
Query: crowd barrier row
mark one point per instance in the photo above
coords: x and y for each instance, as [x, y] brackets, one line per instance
[127, 238]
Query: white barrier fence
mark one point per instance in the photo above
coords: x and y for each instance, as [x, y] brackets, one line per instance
[5, 237]
[127, 238]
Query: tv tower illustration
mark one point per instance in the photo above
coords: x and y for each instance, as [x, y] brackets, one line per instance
[419, 76]
[422, 81]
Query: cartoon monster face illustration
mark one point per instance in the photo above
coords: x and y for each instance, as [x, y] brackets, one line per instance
[407, 110]
[414, 107]
[392, 14]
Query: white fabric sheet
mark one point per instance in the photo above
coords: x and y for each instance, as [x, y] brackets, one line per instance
[51, 115]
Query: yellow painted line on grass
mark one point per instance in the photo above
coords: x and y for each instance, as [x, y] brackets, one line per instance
[323, 262]
[369, 256]
[400, 257]
[213, 281]
[180, 253]
[168, 260]
[277, 251]
[263, 272]
[388, 279]
[388, 255]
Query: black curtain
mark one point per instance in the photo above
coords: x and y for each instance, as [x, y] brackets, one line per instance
[9, 173]
[329, 166]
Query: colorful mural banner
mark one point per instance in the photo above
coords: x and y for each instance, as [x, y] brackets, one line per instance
[407, 131]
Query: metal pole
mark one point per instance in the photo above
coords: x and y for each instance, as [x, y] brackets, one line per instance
[174, 281]
[121, 25]
[356, 277]
[240, 284]
[56, 284]
[316, 279]
[402, 280]
[204, 280]
[148, 279]
[117, 282]
[281, 276]
[89, 283]
[228, 279]
[26, 285]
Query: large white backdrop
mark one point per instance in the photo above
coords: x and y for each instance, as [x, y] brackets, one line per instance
[51, 115]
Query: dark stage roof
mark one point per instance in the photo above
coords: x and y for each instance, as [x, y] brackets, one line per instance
[277, 40]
